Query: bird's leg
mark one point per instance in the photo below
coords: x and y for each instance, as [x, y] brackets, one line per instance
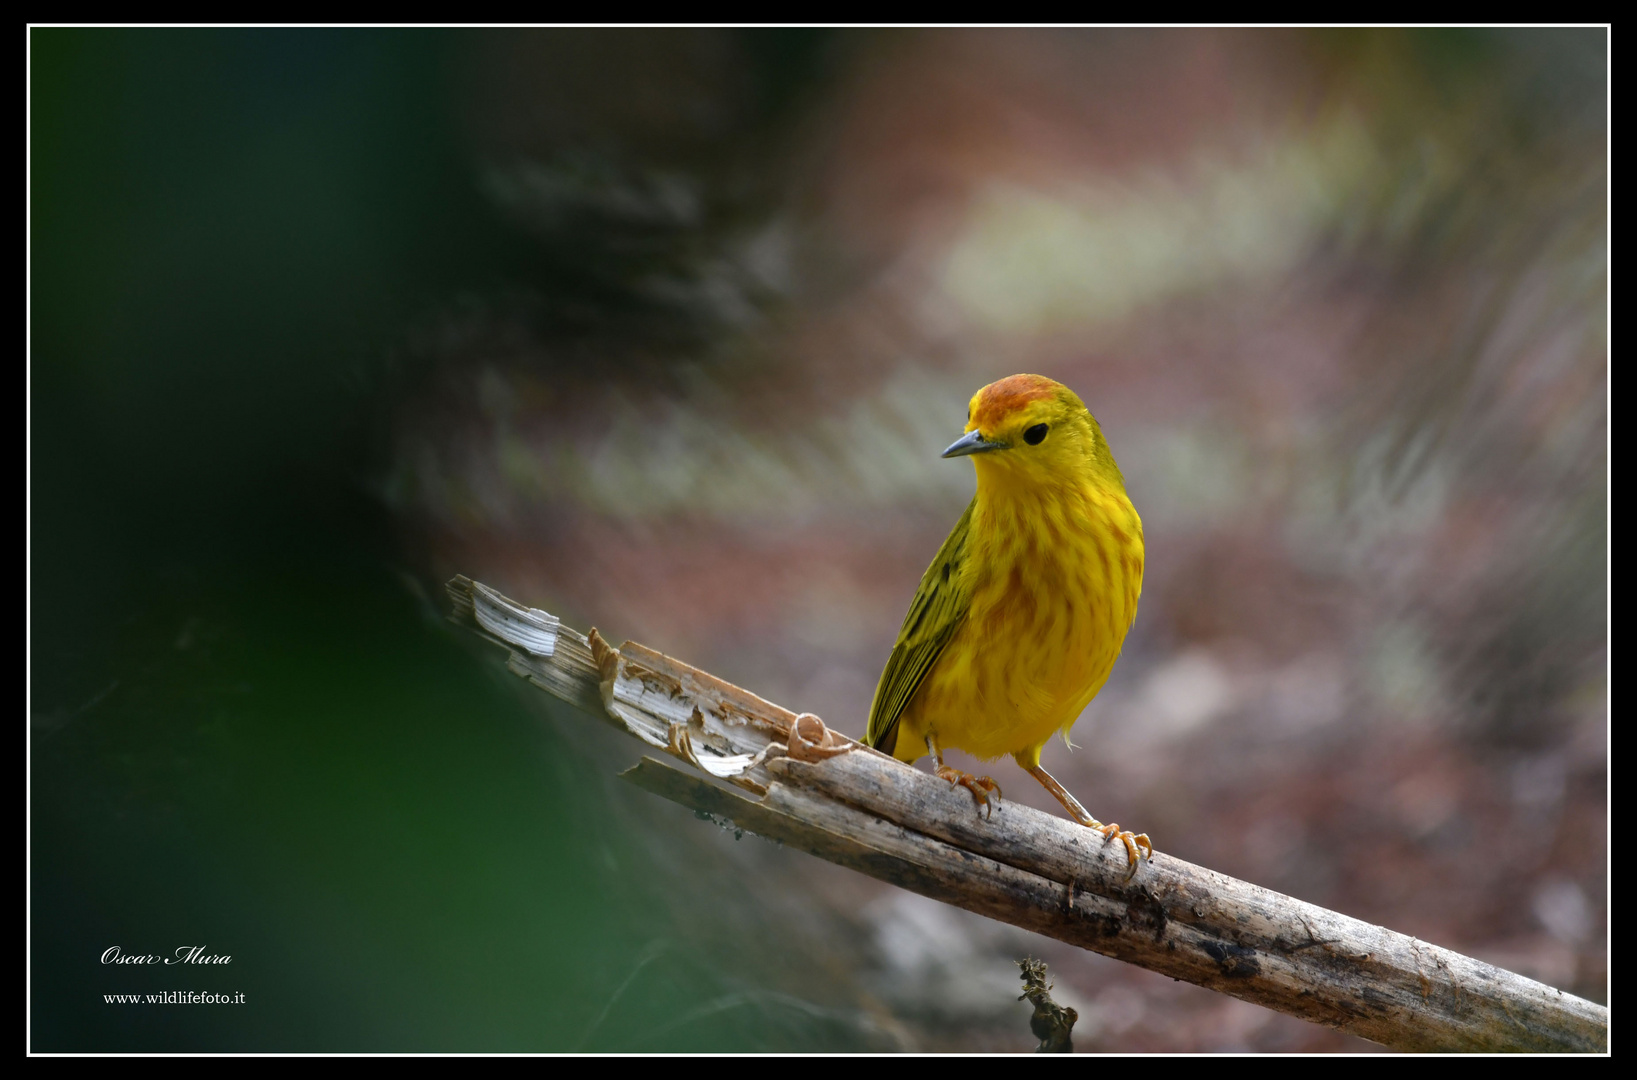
[1132, 841]
[981, 787]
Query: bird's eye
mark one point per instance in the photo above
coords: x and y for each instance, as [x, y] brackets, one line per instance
[1035, 434]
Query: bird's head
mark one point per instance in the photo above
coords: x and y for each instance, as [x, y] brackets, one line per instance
[1031, 429]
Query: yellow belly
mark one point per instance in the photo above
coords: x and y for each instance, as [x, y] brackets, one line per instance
[1049, 612]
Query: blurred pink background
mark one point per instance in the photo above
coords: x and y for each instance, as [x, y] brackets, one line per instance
[1339, 301]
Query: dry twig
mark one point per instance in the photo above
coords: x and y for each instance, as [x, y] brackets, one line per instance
[792, 779]
[1052, 1024]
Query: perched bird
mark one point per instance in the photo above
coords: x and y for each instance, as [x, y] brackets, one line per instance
[1020, 617]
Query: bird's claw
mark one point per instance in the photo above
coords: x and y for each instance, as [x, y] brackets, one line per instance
[1133, 842]
[983, 789]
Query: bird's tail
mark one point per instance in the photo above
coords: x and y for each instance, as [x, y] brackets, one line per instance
[888, 740]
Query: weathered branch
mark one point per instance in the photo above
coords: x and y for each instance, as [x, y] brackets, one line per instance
[795, 781]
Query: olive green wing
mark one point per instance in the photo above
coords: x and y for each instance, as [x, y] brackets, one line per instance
[939, 607]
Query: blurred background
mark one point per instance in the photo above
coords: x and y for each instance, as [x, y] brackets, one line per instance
[663, 331]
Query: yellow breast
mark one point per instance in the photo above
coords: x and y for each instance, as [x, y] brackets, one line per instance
[1054, 578]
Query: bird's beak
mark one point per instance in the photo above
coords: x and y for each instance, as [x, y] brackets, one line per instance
[972, 442]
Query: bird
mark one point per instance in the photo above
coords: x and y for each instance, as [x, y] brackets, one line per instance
[1018, 621]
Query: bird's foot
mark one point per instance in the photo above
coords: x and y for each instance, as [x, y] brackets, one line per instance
[1132, 841]
[1137, 845]
[983, 789]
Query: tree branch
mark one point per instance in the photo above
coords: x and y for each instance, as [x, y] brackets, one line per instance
[791, 779]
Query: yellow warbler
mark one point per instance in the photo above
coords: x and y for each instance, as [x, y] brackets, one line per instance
[1020, 618]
